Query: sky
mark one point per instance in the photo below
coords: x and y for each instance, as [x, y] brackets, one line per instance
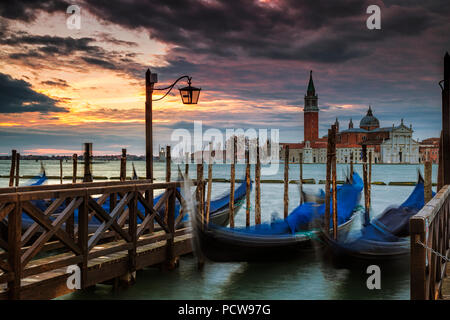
[60, 87]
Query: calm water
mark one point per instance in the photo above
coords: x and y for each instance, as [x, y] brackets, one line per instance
[311, 276]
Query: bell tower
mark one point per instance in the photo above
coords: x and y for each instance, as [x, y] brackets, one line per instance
[311, 112]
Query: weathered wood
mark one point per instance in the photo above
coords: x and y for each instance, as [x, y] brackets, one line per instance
[17, 168]
[247, 181]
[87, 158]
[170, 258]
[366, 189]
[334, 184]
[351, 164]
[168, 177]
[74, 167]
[123, 165]
[300, 162]
[232, 181]
[14, 253]
[13, 168]
[446, 121]
[328, 182]
[132, 231]
[208, 195]
[427, 185]
[369, 181]
[440, 178]
[257, 185]
[286, 182]
[61, 171]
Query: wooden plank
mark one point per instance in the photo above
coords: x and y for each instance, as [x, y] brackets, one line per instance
[14, 254]
[109, 220]
[53, 228]
[6, 210]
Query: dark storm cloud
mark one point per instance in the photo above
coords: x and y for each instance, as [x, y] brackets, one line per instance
[56, 83]
[16, 96]
[27, 10]
[279, 31]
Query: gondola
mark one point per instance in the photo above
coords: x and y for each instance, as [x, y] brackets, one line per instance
[282, 238]
[383, 238]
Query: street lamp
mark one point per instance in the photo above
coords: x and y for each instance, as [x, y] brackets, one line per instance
[189, 95]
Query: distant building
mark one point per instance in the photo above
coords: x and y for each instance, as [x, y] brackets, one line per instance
[386, 144]
[429, 150]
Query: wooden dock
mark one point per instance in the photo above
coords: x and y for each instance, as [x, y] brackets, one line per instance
[34, 262]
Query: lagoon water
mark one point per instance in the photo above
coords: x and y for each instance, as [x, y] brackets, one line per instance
[310, 276]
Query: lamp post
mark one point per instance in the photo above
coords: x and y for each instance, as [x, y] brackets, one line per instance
[189, 95]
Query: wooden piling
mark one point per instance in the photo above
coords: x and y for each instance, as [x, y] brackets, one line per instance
[257, 185]
[232, 181]
[427, 185]
[123, 165]
[446, 121]
[327, 183]
[14, 251]
[17, 168]
[301, 177]
[208, 195]
[369, 180]
[12, 172]
[168, 176]
[366, 190]
[247, 181]
[351, 164]
[334, 181]
[74, 167]
[199, 193]
[440, 178]
[286, 181]
[60, 171]
[186, 166]
[87, 162]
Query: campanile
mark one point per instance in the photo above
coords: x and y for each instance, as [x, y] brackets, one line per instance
[311, 113]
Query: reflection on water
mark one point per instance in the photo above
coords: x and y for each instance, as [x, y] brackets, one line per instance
[310, 276]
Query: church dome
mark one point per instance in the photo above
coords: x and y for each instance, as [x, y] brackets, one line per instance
[369, 122]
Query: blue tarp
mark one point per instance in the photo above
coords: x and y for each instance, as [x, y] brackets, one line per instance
[301, 218]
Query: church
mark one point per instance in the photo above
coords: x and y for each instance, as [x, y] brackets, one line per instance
[385, 144]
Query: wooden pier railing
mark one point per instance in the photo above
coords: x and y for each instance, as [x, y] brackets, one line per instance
[430, 247]
[33, 262]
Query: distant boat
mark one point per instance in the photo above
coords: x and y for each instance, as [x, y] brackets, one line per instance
[385, 237]
[282, 238]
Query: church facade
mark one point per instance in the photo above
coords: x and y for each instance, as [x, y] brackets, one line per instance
[384, 144]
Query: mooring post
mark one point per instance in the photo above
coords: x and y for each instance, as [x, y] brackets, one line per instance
[366, 189]
[12, 172]
[74, 167]
[14, 250]
[257, 186]
[328, 183]
[369, 180]
[130, 277]
[60, 171]
[286, 181]
[440, 177]
[351, 164]
[446, 121]
[232, 181]
[168, 176]
[17, 168]
[171, 260]
[247, 181]
[427, 185]
[83, 220]
[301, 176]
[208, 196]
[334, 181]
[123, 165]
[186, 168]
[87, 162]
[200, 191]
